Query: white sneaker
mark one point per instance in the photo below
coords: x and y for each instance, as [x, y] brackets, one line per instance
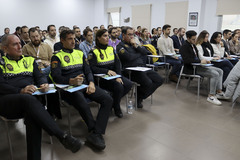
[222, 96]
[214, 100]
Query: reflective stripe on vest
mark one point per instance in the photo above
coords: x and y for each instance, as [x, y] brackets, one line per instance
[70, 60]
[13, 68]
[108, 56]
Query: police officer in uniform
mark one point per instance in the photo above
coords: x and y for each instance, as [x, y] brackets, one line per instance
[103, 60]
[18, 73]
[132, 55]
[69, 66]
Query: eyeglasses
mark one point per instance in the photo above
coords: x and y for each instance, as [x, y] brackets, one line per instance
[129, 34]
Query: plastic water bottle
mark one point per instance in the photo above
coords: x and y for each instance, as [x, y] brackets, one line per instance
[130, 108]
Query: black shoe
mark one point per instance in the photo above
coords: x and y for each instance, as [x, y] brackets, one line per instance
[96, 140]
[71, 143]
[139, 103]
[118, 113]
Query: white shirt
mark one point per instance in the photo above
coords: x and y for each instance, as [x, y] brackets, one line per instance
[200, 53]
[218, 50]
[51, 41]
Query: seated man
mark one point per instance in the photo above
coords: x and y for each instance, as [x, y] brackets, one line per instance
[88, 43]
[42, 52]
[79, 37]
[18, 74]
[113, 41]
[69, 66]
[189, 54]
[24, 36]
[132, 55]
[178, 39]
[165, 46]
[52, 37]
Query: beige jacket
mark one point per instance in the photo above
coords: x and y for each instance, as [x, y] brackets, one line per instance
[45, 53]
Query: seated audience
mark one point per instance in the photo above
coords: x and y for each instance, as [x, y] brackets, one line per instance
[178, 39]
[70, 66]
[95, 29]
[218, 47]
[17, 31]
[165, 47]
[232, 84]
[51, 38]
[144, 38]
[175, 31]
[189, 54]
[40, 51]
[226, 36]
[18, 75]
[88, 44]
[102, 27]
[79, 38]
[103, 60]
[205, 52]
[154, 38]
[6, 32]
[113, 40]
[24, 36]
[234, 45]
[133, 55]
[138, 32]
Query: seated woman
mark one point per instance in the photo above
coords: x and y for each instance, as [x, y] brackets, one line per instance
[234, 45]
[189, 54]
[144, 38]
[219, 49]
[205, 52]
[232, 84]
[103, 60]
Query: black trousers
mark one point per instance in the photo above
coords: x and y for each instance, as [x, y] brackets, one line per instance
[118, 90]
[149, 81]
[14, 106]
[78, 100]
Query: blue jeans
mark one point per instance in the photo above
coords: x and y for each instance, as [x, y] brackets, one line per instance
[176, 64]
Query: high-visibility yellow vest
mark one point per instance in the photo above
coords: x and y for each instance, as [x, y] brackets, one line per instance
[107, 56]
[12, 68]
[70, 60]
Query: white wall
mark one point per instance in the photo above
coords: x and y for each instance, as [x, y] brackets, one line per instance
[44, 12]
[206, 9]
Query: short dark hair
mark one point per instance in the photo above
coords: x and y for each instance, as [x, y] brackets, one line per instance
[214, 36]
[64, 33]
[226, 31]
[51, 25]
[124, 29]
[6, 29]
[191, 33]
[180, 29]
[174, 29]
[95, 27]
[138, 27]
[85, 31]
[110, 30]
[75, 28]
[17, 28]
[33, 29]
[23, 28]
[235, 31]
[109, 26]
[166, 26]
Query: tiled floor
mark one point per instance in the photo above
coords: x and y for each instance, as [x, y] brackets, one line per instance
[174, 127]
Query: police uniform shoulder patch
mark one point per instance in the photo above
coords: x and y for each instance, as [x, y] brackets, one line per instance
[54, 64]
[10, 67]
[66, 59]
[126, 45]
[122, 51]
